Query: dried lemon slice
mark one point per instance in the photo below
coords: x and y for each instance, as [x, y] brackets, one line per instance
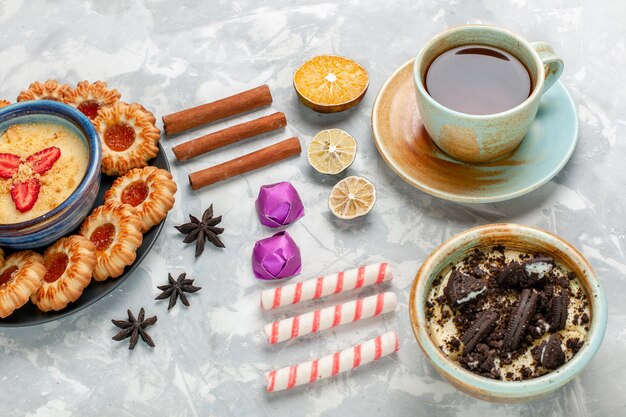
[352, 197]
[330, 83]
[331, 151]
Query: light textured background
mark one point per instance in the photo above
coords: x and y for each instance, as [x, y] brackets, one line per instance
[209, 358]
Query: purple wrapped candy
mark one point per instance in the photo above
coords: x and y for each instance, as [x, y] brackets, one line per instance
[279, 204]
[276, 257]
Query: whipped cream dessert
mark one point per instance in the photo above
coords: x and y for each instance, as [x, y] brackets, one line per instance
[508, 315]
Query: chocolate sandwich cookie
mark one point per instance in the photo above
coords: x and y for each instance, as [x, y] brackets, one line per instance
[481, 328]
[558, 310]
[513, 276]
[552, 355]
[518, 323]
[538, 268]
[463, 288]
[527, 274]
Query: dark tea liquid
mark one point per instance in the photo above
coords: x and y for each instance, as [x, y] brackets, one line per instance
[478, 79]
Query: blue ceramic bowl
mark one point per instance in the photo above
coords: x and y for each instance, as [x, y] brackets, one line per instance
[523, 238]
[49, 227]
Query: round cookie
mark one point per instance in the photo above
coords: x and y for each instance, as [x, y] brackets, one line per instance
[20, 277]
[91, 97]
[69, 263]
[115, 229]
[128, 135]
[149, 115]
[149, 190]
[50, 90]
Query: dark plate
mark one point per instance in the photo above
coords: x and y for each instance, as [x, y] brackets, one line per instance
[30, 315]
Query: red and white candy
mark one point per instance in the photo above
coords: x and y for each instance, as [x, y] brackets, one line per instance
[326, 318]
[331, 365]
[315, 288]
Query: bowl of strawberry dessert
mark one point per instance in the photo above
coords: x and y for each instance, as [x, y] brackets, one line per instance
[50, 159]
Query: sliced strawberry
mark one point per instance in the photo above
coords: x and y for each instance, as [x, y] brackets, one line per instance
[25, 194]
[9, 164]
[43, 160]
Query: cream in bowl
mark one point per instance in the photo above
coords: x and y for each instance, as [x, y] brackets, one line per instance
[507, 313]
[41, 164]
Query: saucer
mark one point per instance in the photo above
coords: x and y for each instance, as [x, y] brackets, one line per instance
[405, 145]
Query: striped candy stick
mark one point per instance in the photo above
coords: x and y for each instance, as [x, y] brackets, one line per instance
[331, 365]
[315, 288]
[326, 318]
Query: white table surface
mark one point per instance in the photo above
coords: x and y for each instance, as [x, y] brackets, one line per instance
[209, 358]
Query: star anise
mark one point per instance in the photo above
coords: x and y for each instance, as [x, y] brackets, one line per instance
[177, 288]
[135, 327]
[200, 230]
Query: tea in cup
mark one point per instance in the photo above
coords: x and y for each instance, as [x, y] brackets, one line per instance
[479, 88]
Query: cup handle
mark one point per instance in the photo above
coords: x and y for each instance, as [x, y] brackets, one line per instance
[553, 65]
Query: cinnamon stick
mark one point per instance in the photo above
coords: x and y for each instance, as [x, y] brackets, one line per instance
[229, 136]
[255, 160]
[216, 110]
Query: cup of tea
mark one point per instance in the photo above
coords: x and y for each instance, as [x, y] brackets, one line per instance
[479, 88]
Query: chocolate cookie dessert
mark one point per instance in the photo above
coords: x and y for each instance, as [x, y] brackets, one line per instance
[508, 315]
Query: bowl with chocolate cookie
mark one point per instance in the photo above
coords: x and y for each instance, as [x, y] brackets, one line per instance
[508, 313]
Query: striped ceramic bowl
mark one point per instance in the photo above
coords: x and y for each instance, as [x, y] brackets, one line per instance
[66, 217]
[523, 238]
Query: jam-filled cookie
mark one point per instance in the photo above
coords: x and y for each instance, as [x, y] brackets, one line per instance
[115, 229]
[69, 265]
[128, 136]
[149, 190]
[20, 277]
[149, 115]
[50, 90]
[4, 103]
[91, 97]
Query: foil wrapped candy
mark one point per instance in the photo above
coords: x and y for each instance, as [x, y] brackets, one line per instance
[276, 257]
[279, 205]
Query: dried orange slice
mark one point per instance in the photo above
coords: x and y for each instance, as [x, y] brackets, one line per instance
[352, 197]
[331, 151]
[330, 83]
